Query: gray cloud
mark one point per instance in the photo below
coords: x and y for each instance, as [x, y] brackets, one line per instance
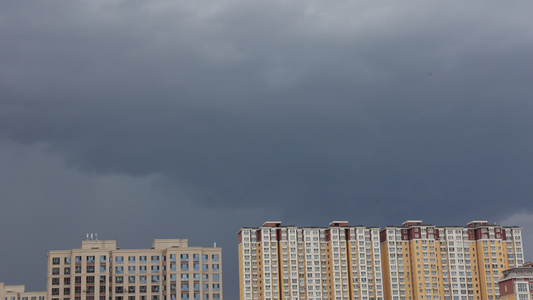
[304, 111]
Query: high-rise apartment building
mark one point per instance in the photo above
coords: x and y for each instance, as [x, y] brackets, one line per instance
[169, 270]
[18, 292]
[287, 262]
[414, 261]
[448, 263]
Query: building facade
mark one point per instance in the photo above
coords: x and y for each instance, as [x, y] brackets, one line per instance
[169, 270]
[517, 283]
[408, 262]
[18, 292]
[429, 262]
[287, 262]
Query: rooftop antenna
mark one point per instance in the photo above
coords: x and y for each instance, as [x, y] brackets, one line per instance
[96, 236]
[87, 236]
[214, 244]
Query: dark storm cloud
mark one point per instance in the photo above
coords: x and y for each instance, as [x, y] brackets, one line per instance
[308, 111]
[242, 103]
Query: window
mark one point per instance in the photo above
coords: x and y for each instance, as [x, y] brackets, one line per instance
[102, 259]
[205, 257]
[119, 259]
[142, 269]
[155, 259]
[155, 269]
[131, 279]
[55, 281]
[184, 257]
[66, 271]
[215, 257]
[119, 269]
[55, 261]
[172, 257]
[142, 259]
[90, 259]
[155, 279]
[155, 288]
[67, 260]
[131, 269]
[78, 259]
[522, 287]
[131, 259]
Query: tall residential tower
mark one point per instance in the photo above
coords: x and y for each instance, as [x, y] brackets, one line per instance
[429, 262]
[287, 262]
[408, 262]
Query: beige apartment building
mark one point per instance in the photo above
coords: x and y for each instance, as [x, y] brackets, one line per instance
[169, 270]
[18, 292]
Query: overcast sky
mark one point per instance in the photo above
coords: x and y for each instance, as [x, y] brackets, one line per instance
[191, 119]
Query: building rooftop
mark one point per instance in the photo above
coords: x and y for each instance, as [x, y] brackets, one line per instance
[520, 272]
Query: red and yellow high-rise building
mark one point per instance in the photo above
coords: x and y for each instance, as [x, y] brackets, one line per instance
[338, 262]
[429, 262]
[408, 262]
